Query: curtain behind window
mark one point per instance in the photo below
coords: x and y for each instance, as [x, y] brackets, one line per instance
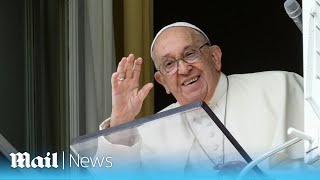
[133, 24]
[99, 61]
[101, 32]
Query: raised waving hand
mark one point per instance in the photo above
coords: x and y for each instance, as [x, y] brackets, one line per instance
[127, 98]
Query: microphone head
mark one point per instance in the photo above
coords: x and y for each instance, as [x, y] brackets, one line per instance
[292, 8]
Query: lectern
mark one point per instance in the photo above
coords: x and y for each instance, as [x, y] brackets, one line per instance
[173, 139]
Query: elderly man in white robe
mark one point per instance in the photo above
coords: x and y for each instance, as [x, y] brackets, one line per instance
[256, 108]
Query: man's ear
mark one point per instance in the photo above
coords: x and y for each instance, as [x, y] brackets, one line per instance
[216, 55]
[160, 80]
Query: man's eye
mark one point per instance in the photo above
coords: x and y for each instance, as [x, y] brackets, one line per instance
[189, 54]
[169, 64]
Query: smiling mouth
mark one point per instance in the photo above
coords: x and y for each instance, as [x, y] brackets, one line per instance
[191, 81]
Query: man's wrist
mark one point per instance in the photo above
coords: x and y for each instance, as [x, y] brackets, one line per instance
[116, 122]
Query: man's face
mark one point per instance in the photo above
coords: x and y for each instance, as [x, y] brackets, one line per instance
[192, 82]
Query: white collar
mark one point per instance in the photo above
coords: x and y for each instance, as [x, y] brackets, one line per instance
[221, 89]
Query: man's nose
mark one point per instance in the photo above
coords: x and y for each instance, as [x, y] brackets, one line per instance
[183, 67]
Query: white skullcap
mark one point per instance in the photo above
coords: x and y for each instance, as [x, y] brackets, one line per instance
[176, 24]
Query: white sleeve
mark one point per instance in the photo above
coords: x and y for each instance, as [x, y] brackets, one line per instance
[124, 147]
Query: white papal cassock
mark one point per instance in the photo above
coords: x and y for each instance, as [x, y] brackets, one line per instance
[260, 107]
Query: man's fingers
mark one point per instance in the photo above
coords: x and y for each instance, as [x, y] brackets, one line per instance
[137, 68]
[121, 67]
[129, 66]
[142, 94]
[114, 79]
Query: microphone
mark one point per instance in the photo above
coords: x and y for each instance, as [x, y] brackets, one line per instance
[293, 9]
